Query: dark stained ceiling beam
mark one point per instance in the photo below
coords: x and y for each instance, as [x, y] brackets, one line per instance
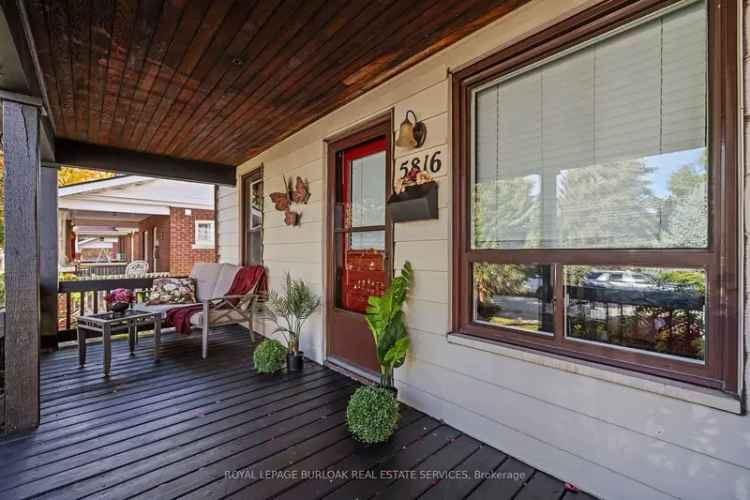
[82, 154]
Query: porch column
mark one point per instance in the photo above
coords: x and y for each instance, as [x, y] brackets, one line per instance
[22, 307]
[48, 265]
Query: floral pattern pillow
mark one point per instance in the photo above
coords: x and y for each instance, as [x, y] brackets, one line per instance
[172, 291]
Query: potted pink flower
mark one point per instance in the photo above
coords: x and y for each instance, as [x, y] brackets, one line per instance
[119, 299]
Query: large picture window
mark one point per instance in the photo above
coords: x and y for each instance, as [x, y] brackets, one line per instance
[600, 213]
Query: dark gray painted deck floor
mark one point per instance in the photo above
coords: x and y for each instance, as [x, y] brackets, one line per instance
[176, 428]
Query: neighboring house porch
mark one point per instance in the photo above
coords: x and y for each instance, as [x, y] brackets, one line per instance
[107, 223]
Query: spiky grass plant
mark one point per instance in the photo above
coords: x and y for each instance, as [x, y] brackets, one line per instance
[294, 305]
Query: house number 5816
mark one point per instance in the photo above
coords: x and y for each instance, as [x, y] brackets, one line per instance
[431, 163]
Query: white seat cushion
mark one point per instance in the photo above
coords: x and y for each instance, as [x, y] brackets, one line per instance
[205, 275]
[158, 308]
[225, 279]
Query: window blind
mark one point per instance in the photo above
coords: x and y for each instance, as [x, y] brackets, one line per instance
[634, 95]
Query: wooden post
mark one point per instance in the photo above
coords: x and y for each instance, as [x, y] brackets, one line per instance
[48, 243]
[22, 307]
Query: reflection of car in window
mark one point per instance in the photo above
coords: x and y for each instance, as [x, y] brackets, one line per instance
[634, 288]
[618, 279]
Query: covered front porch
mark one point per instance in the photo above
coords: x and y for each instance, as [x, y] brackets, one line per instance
[215, 428]
[577, 173]
[160, 90]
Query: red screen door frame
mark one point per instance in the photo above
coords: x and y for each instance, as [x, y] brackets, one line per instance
[349, 341]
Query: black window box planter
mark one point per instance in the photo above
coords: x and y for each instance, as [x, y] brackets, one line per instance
[415, 203]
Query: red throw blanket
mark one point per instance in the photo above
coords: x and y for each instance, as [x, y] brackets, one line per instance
[246, 279]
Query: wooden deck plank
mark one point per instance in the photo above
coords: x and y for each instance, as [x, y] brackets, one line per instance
[60, 418]
[364, 458]
[410, 457]
[508, 479]
[175, 354]
[244, 452]
[169, 363]
[299, 467]
[139, 371]
[165, 407]
[541, 487]
[131, 408]
[427, 473]
[136, 385]
[176, 468]
[162, 430]
[148, 371]
[148, 458]
[485, 460]
[38, 453]
[336, 440]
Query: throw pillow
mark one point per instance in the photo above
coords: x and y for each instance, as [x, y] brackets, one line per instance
[172, 291]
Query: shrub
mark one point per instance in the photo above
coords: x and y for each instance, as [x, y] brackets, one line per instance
[269, 356]
[372, 414]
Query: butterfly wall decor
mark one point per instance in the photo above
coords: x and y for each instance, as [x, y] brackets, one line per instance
[299, 194]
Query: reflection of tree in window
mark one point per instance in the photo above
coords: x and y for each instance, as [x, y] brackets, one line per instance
[687, 206]
[506, 213]
[607, 205]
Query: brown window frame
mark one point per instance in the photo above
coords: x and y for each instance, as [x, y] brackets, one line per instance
[245, 180]
[720, 258]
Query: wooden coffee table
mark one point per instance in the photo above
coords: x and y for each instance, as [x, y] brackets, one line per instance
[108, 323]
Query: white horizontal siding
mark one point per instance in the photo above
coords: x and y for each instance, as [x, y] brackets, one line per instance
[228, 217]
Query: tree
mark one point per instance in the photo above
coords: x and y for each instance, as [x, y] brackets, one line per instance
[685, 179]
[609, 205]
[72, 175]
[686, 208]
[687, 226]
[506, 214]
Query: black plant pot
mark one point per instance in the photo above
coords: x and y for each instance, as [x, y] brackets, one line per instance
[120, 307]
[295, 361]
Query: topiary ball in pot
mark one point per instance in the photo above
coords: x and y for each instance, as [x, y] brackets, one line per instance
[269, 356]
[372, 414]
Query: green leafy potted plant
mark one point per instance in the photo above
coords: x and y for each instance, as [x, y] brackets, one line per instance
[386, 321]
[372, 414]
[294, 306]
[269, 356]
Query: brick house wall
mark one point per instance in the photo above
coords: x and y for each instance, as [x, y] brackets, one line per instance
[176, 234]
[182, 254]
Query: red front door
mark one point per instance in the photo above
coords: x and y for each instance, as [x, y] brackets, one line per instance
[362, 251]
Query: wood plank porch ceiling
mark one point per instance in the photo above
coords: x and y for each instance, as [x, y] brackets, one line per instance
[223, 80]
